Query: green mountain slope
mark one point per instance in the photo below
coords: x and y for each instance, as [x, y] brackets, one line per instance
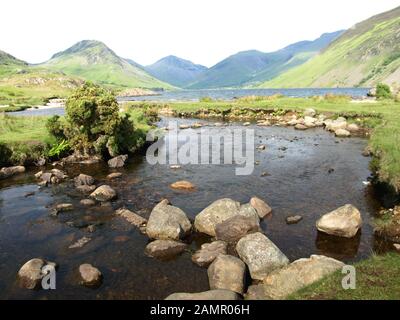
[251, 67]
[364, 55]
[93, 60]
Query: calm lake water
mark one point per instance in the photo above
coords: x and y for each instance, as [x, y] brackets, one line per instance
[300, 181]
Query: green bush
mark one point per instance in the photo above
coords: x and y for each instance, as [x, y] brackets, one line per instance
[5, 154]
[55, 128]
[59, 150]
[383, 91]
[206, 99]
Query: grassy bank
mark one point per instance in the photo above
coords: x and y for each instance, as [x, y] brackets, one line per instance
[376, 279]
[382, 116]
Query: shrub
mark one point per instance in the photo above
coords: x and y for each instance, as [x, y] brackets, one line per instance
[59, 150]
[5, 154]
[206, 99]
[383, 91]
[55, 128]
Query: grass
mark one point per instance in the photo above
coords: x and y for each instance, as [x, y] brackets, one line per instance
[376, 279]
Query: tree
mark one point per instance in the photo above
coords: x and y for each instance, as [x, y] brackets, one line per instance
[383, 91]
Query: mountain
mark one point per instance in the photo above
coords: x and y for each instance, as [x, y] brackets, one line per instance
[251, 67]
[176, 71]
[364, 55]
[9, 60]
[94, 61]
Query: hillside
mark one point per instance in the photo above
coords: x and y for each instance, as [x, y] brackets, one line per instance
[176, 71]
[364, 55]
[94, 61]
[8, 60]
[250, 67]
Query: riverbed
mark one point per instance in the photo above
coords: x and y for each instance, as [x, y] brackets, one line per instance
[305, 173]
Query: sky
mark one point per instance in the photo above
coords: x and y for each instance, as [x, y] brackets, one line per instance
[203, 31]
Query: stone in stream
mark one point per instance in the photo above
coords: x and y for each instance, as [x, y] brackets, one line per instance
[8, 172]
[227, 272]
[184, 126]
[209, 252]
[235, 228]
[87, 202]
[80, 243]
[31, 273]
[175, 166]
[62, 207]
[303, 272]
[164, 249]
[167, 222]
[218, 212]
[84, 180]
[104, 193]
[342, 133]
[300, 126]
[309, 112]
[114, 175]
[343, 222]
[262, 208]
[206, 295]
[293, 219]
[183, 185]
[260, 254]
[117, 162]
[333, 125]
[352, 127]
[132, 218]
[86, 189]
[261, 147]
[90, 276]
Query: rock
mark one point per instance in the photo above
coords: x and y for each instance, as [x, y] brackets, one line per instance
[333, 125]
[38, 174]
[264, 123]
[90, 275]
[114, 175]
[132, 218]
[40, 162]
[209, 252]
[46, 177]
[309, 112]
[8, 172]
[294, 219]
[183, 185]
[260, 254]
[206, 295]
[352, 127]
[84, 180]
[246, 124]
[196, 125]
[367, 152]
[59, 174]
[163, 249]
[228, 273]
[31, 275]
[117, 162]
[300, 126]
[292, 122]
[184, 126]
[303, 272]
[104, 193]
[343, 222]
[80, 243]
[261, 207]
[167, 222]
[235, 228]
[396, 246]
[86, 189]
[87, 202]
[62, 207]
[310, 122]
[342, 133]
[91, 228]
[261, 147]
[175, 167]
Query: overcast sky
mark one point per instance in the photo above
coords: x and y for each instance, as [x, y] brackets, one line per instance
[204, 31]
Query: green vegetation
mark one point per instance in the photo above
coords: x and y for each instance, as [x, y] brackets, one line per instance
[363, 56]
[376, 279]
[383, 91]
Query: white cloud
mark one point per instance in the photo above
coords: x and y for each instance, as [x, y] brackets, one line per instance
[204, 31]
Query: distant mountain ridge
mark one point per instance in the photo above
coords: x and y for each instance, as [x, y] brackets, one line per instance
[249, 67]
[93, 60]
[8, 59]
[364, 55]
[176, 71]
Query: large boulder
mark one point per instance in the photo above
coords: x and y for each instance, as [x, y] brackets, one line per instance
[8, 172]
[281, 283]
[262, 208]
[220, 211]
[235, 228]
[343, 222]
[206, 295]
[227, 272]
[104, 193]
[31, 273]
[261, 255]
[163, 249]
[167, 222]
[90, 276]
[118, 161]
[84, 180]
[209, 252]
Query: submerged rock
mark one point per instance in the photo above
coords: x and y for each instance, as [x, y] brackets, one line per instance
[87, 202]
[80, 243]
[343, 222]
[84, 180]
[293, 219]
[117, 162]
[31, 273]
[167, 222]
[209, 252]
[90, 275]
[114, 175]
[183, 185]
[260, 254]
[163, 249]
[206, 295]
[132, 218]
[86, 189]
[227, 272]
[8, 172]
[104, 193]
[235, 228]
[262, 208]
[62, 207]
[300, 126]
